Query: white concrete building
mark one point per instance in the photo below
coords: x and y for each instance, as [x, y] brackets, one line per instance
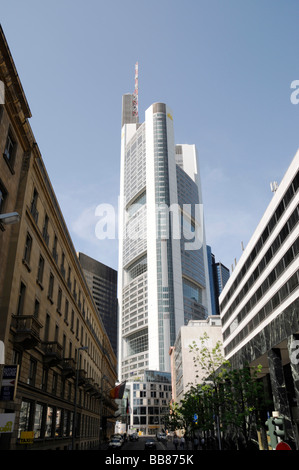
[163, 271]
[183, 370]
[259, 306]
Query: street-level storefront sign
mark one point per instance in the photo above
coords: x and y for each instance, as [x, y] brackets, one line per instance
[27, 437]
[9, 382]
[7, 421]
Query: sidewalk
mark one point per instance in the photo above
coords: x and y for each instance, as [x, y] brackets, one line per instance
[169, 445]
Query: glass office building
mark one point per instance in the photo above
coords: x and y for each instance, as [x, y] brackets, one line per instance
[163, 271]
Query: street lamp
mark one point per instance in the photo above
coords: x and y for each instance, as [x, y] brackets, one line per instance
[83, 348]
[10, 218]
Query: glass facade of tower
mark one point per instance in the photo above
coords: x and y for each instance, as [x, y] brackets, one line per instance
[165, 289]
[161, 284]
[134, 301]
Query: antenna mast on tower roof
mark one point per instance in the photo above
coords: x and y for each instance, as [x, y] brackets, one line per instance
[135, 94]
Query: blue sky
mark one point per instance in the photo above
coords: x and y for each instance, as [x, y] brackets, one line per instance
[225, 68]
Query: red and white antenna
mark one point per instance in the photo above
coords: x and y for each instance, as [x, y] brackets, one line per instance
[135, 94]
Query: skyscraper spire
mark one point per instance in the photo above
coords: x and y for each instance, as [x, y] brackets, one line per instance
[135, 94]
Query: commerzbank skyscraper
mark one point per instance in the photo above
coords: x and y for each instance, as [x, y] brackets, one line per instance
[163, 270]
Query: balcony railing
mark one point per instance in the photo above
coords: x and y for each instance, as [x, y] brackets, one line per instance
[52, 353]
[82, 377]
[68, 367]
[26, 330]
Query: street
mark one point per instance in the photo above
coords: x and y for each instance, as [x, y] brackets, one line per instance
[140, 445]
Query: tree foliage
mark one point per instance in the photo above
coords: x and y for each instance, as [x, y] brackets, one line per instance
[225, 401]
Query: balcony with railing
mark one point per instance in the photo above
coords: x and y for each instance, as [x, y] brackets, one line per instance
[82, 374]
[68, 367]
[52, 353]
[26, 330]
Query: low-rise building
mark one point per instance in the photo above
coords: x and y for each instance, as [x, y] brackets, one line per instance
[183, 370]
[146, 402]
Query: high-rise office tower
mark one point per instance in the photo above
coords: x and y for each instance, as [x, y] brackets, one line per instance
[102, 282]
[163, 272]
[219, 275]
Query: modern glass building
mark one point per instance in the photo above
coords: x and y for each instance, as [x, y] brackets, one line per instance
[163, 272]
[218, 276]
[102, 282]
[149, 402]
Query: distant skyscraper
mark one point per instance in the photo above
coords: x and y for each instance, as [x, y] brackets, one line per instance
[211, 261]
[218, 276]
[163, 272]
[102, 282]
[221, 276]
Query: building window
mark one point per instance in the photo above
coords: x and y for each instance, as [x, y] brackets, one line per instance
[45, 230]
[47, 328]
[21, 299]
[24, 421]
[10, 151]
[36, 308]
[38, 420]
[27, 250]
[72, 320]
[191, 291]
[49, 422]
[40, 271]
[3, 196]
[77, 328]
[66, 311]
[51, 287]
[54, 251]
[32, 372]
[58, 423]
[33, 207]
[62, 268]
[59, 299]
[54, 383]
[45, 379]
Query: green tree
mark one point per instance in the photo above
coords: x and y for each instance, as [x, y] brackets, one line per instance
[225, 396]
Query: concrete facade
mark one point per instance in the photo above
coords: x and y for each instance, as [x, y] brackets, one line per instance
[260, 302]
[183, 369]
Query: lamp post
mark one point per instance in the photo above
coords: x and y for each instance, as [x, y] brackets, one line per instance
[101, 407]
[84, 348]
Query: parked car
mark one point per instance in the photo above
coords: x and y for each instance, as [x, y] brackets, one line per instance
[119, 436]
[115, 443]
[150, 444]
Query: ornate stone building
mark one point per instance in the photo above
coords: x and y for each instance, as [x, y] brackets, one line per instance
[48, 320]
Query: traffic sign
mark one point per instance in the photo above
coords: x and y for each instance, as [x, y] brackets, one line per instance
[282, 446]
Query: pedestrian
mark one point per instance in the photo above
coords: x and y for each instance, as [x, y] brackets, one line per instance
[195, 443]
[176, 442]
[182, 443]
